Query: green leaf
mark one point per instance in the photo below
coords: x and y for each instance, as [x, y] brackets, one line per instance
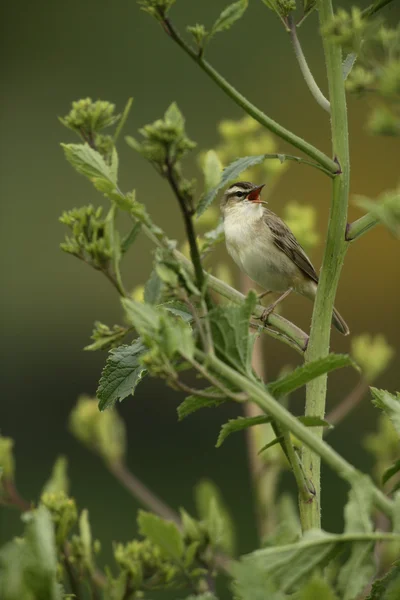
[385, 209]
[178, 309]
[348, 64]
[316, 589]
[360, 567]
[389, 403]
[288, 530]
[212, 509]
[308, 372]
[174, 116]
[271, 443]
[58, 481]
[388, 587]
[163, 534]
[389, 472]
[310, 421]
[153, 289]
[239, 424]
[229, 15]
[193, 403]
[131, 237]
[89, 162]
[229, 173]
[86, 538]
[230, 332]
[121, 375]
[206, 596]
[252, 583]
[212, 170]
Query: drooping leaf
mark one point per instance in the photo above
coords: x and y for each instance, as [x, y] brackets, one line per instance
[302, 375]
[310, 421]
[229, 173]
[153, 289]
[270, 444]
[360, 567]
[239, 424]
[388, 474]
[193, 403]
[89, 162]
[212, 170]
[121, 374]
[388, 587]
[212, 509]
[230, 332]
[165, 534]
[251, 582]
[389, 403]
[229, 15]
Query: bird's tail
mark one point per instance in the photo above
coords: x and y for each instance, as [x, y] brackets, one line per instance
[340, 323]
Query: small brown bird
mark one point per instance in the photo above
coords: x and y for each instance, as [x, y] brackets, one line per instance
[265, 249]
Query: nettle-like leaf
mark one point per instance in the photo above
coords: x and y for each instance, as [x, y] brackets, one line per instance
[239, 424]
[193, 403]
[360, 567]
[389, 404]
[213, 511]
[229, 15]
[90, 163]
[163, 534]
[121, 374]
[153, 289]
[230, 332]
[390, 472]
[388, 587]
[302, 375]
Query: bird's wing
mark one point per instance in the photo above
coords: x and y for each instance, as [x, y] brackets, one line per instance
[284, 239]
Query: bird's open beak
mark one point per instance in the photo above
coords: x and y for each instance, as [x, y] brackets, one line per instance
[254, 195]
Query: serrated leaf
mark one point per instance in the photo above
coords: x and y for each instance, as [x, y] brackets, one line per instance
[163, 534]
[178, 309]
[131, 237]
[229, 173]
[229, 15]
[253, 583]
[153, 289]
[239, 424]
[271, 443]
[213, 511]
[389, 403]
[193, 403]
[388, 587]
[357, 512]
[212, 170]
[358, 571]
[302, 375]
[89, 162]
[389, 472]
[310, 421]
[230, 332]
[121, 374]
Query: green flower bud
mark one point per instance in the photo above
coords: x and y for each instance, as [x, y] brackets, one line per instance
[282, 8]
[7, 462]
[105, 337]
[63, 513]
[198, 32]
[373, 354]
[102, 432]
[87, 117]
[156, 8]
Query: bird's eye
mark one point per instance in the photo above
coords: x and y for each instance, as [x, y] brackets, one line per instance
[240, 194]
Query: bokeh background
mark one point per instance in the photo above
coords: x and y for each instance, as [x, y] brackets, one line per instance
[54, 53]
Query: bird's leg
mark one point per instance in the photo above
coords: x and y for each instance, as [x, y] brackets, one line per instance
[261, 296]
[267, 311]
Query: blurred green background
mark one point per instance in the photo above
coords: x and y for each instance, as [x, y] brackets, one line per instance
[58, 52]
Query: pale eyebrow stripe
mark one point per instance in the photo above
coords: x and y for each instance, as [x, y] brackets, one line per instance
[237, 189]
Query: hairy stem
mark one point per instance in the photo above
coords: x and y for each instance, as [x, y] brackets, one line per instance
[270, 406]
[362, 225]
[247, 106]
[304, 68]
[335, 248]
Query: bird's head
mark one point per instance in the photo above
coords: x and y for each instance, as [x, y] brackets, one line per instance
[241, 192]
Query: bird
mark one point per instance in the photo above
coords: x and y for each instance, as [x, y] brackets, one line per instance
[264, 248]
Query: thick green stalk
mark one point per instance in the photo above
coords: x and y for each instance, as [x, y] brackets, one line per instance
[335, 249]
[249, 108]
[270, 406]
[361, 226]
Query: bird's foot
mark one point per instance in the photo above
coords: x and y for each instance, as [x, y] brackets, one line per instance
[261, 296]
[270, 309]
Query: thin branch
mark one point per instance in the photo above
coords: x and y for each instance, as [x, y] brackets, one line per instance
[342, 410]
[180, 385]
[304, 68]
[247, 106]
[13, 497]
[360, 226]
[142, 493]
[375, 7]
[305, 488]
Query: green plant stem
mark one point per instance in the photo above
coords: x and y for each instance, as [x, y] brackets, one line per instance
[247, 106]
[304, 68]
[335, 249]
[362, 225]
[303, 486]
[270, 406]
[375, 7]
